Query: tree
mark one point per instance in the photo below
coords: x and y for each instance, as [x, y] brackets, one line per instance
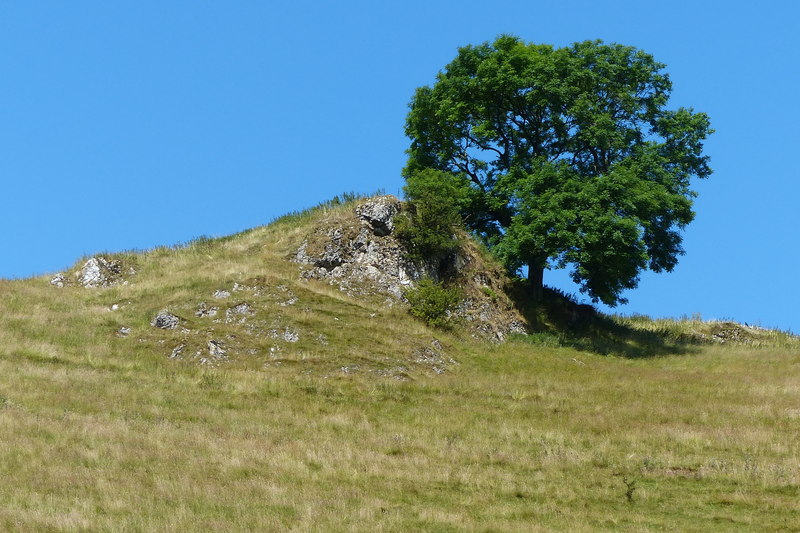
[563, 156]
[429, 225]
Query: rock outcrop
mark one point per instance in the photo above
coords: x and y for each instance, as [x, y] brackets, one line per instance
[358, 252]
[102, 272]
[379, 213]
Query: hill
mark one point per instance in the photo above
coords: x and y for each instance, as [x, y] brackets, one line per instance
[229, 384]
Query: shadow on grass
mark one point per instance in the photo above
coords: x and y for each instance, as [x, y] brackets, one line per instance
[559, 320]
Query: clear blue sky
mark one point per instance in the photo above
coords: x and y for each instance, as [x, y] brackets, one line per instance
[127, 125]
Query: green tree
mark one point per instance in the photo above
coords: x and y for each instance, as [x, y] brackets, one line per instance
[563, 156]
[432, 219]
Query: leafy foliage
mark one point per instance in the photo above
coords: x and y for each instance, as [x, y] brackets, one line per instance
[429, 224]
[432, 302]
[563, 157]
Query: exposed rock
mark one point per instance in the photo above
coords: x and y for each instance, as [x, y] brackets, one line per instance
[124, 331]
[215, 349]
[379, 213]
[239, 313]
[731, 332]
[290, 335]
[59, 280]
[221, 294]
[100, 272]
[360, 254]
[433, 357]
[177, 351]
[165, 320]
[203, 310]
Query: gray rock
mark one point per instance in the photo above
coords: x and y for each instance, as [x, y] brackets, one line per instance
[177, 351]
[59, 280]
[165, 320]
[379, 213]
[215, 348]
[289, 335]
[124, 331]
[362, 258]
[221, 294]
[239, 313]
[203, 310]
[100, 272]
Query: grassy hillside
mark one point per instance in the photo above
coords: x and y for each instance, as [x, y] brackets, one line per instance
[333, 413]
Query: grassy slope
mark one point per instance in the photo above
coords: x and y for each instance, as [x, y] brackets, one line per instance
[108, 433]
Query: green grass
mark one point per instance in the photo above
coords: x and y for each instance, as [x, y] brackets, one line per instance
[618, 424]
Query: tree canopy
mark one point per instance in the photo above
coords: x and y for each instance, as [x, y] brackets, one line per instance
[562, 156]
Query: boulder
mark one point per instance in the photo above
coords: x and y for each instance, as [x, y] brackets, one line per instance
[165, 320]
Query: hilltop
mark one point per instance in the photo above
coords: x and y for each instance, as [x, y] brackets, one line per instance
[319, 290]
[274, 380]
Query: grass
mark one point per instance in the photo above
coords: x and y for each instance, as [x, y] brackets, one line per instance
[665, 427]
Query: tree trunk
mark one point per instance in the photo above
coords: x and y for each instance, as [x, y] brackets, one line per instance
[536, 281]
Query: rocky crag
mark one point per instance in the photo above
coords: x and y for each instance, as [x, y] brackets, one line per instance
[359, 252]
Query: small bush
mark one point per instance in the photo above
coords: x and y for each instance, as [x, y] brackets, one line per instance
[488, 291]
[429, 225]
[433, 303]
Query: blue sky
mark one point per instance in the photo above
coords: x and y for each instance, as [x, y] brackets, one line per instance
[126, 125]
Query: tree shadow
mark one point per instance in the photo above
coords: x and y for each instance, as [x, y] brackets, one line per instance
[581, 327]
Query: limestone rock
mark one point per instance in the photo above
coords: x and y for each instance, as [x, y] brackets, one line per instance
[215, 348]
[203, 310]
[379, 213]
[59, 280]
[239, 313]
[290, 335]
[361, 256]
[101, 272]
[165, 320]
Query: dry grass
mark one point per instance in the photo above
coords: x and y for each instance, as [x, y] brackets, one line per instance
[102, 433]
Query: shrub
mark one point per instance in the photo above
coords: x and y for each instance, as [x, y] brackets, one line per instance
[488, 291]
[429, 225]
[433, 303]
